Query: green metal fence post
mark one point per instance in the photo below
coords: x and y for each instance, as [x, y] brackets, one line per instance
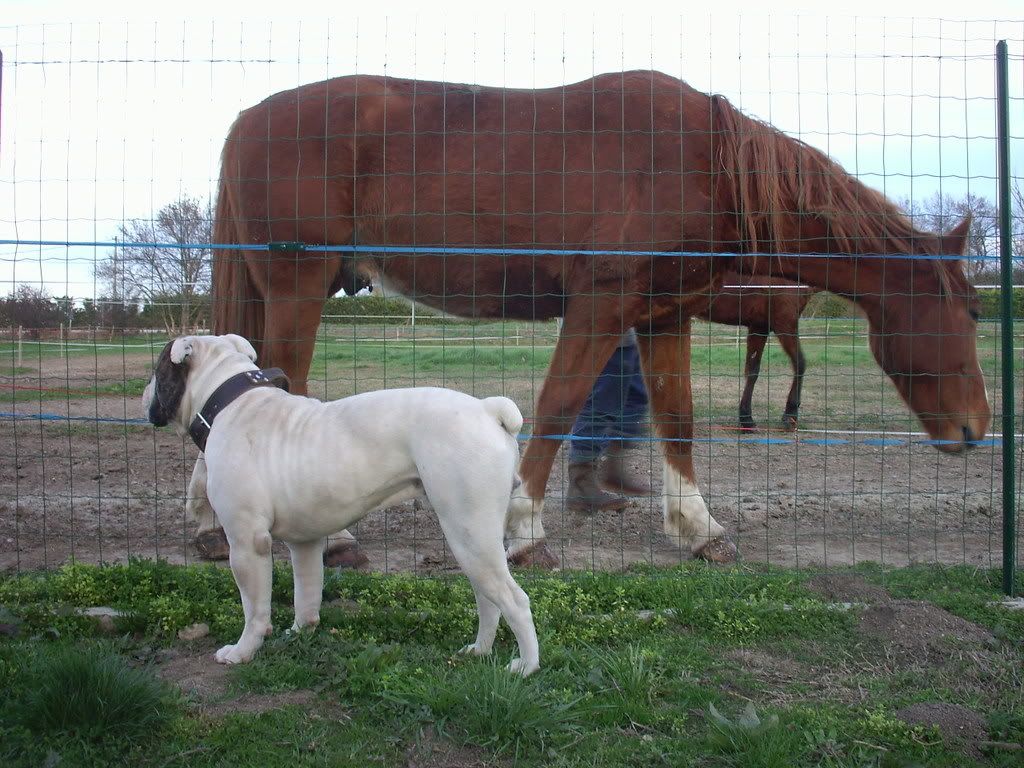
[1006, 304]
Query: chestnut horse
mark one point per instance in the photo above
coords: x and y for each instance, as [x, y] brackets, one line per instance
[764, 305]
[616, 202]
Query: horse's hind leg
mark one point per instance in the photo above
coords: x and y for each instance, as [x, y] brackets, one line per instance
[666, 362]
[789, 339]
[756, 340]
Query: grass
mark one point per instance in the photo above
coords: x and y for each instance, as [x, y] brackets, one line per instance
[843, 388]
[34, 390]
[743, 666]
[85, 696]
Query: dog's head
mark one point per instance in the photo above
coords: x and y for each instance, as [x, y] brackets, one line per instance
[188, 370]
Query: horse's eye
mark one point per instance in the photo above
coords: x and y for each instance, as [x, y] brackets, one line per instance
[975, 314]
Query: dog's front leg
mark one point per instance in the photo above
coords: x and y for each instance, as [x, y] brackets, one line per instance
[251, 566]
[308, 567]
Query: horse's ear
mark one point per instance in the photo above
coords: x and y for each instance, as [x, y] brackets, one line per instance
[955, 241]
[181, 349]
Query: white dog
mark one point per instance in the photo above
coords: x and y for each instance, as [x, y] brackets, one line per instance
[298, 470]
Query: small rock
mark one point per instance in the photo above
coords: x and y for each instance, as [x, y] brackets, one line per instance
[104, 617]
[1013, 603]
[195, 631]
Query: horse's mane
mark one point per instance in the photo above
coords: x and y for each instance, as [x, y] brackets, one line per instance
[776, 178]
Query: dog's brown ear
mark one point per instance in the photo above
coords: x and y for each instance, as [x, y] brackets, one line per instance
[168, 385]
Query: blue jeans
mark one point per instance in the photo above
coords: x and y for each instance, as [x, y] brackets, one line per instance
[616, 407]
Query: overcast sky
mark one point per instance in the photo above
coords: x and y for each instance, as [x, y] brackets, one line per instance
[110, 112]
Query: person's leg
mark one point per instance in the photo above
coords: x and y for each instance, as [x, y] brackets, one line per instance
[590, 433]
[621, 471]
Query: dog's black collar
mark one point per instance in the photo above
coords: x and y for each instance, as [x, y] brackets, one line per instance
[226, 394]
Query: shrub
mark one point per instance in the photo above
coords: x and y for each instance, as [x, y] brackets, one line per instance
[990, 299]
[91, 695]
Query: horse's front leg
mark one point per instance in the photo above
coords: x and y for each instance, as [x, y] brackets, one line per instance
[585, 344]
[666, 361]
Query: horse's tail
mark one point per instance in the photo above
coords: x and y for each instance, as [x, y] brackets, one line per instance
[237, 302]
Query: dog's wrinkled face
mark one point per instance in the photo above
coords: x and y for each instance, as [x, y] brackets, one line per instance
[168, 387]
[200, 362]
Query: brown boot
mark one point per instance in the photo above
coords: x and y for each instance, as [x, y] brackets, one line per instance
[620, 472]
[585, 495]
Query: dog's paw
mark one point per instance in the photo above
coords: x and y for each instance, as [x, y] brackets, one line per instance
[230, 654]
[520, 667]
[473, 649]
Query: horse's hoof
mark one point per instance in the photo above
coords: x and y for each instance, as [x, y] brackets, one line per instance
[535, 556]
[345, 554]
[213, 545]
[789, 422]
[719, 550]
[748, 425]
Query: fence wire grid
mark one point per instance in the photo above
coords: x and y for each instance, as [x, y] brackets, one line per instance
[544, 186]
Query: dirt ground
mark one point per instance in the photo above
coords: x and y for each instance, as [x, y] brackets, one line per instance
[104, 492]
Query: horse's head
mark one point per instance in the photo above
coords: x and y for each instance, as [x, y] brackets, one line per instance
[923, 337]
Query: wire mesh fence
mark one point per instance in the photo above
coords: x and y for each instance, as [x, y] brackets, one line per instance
[810, 360]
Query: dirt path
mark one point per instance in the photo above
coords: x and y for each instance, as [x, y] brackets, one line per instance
[107, 492]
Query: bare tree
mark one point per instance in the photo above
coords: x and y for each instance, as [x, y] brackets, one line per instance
[1017, 221]
[940, 213]
[160, 271]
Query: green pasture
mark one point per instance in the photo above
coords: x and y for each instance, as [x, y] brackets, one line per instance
[746, 666]
[843, 386]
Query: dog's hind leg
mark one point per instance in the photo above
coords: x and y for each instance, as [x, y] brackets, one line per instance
[308, 568]
[491, 578]
[471, 503]
[481, 556]
[488, 614]
[251, 566]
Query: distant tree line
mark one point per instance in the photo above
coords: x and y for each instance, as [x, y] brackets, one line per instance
[33, 309]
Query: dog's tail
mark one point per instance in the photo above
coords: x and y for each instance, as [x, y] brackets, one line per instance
[505, 412]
